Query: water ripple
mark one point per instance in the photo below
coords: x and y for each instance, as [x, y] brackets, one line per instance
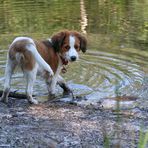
[105, 72]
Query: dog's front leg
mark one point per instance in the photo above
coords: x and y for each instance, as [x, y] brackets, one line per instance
[52, 81]
[51, 85]
[62, 84]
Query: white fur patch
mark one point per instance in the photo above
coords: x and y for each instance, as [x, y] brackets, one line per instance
[23, 38]
[71, 41]
[72, 51]
[55, 78]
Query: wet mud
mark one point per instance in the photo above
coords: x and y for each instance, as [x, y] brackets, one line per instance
[65, 123]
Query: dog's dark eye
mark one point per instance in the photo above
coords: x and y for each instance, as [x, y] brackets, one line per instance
[67, 47]
[77, 47]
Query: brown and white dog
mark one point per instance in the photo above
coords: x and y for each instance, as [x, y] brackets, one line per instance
[44, 57]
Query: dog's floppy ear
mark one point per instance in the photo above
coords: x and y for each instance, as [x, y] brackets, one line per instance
[57, 40]
[83, 41]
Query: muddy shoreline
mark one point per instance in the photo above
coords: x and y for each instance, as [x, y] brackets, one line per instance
[61, 124]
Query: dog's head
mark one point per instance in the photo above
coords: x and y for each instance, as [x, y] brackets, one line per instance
[68, 44]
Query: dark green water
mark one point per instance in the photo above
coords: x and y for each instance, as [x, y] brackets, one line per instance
[117, 32]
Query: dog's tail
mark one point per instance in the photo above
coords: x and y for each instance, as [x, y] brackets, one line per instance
[38, 58]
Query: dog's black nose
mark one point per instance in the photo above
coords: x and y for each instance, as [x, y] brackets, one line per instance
[73, 58]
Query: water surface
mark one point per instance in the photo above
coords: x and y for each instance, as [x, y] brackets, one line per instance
[117, 32]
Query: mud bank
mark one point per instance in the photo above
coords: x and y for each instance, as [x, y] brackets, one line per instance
[62, 125]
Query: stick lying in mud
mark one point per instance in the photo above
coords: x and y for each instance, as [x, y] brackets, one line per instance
[23, 96]
[15, 95]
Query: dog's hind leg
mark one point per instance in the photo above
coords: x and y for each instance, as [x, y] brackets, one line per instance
[10, 66]
[30, 77]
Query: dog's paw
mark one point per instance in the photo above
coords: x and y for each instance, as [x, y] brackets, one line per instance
[33, 101]
[4, 100]
[68, 93]
[51, 73]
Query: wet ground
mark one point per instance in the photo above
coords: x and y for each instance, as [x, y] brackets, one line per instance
[66, 123]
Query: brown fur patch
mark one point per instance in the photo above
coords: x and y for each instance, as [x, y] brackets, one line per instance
[26, 60]
[48, 53]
